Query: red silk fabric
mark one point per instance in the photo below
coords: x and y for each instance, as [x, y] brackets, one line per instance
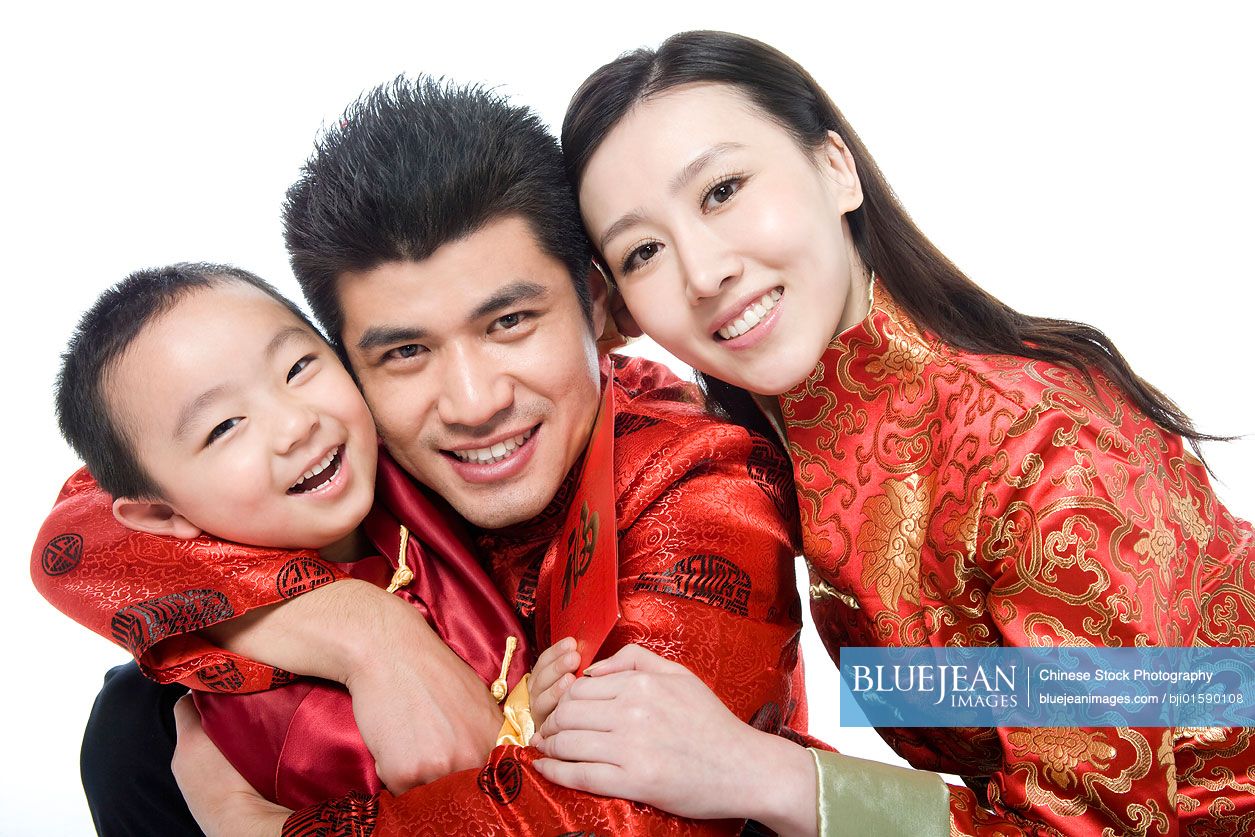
[949, 498]
[298, 744]
[705, 578]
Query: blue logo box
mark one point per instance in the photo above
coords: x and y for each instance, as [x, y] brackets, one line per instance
[1047, 687]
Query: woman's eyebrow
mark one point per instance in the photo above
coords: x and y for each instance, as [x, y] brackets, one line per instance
[686, 174]
[681, 180]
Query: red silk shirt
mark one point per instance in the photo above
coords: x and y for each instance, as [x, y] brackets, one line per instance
[949, 498]
[296, 745]
[705, 579]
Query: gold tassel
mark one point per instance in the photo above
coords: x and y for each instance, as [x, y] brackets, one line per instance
[499, 685]
[402, 575]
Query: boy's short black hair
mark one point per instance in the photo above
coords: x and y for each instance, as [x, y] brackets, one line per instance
[103, 335]
[415, 164]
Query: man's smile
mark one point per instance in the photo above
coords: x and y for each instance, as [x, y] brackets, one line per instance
[500, 459]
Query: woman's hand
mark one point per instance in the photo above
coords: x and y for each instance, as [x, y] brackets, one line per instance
[552, 675]
[220, 799]
[643, 728]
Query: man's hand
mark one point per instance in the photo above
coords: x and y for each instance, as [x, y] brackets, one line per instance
[422, 711]
[220, 799]
[552, 675]
[644, 728]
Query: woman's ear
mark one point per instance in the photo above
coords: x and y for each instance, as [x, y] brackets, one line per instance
[153, 517]
[837, 163]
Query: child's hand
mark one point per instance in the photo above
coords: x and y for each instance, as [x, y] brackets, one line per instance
[552, 675]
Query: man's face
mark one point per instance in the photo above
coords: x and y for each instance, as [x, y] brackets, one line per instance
[479, 367]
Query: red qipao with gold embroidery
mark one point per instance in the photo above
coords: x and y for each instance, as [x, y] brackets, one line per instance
[949, 498]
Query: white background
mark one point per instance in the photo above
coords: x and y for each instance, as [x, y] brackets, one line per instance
[1084, 160]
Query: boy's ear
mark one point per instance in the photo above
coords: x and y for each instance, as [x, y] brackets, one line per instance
[153, 517]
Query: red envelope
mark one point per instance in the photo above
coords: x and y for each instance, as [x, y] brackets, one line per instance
[584, 595]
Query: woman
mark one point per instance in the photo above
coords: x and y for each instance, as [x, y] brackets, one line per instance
[966, 474]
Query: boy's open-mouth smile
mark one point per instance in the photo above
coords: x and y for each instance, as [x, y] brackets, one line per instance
[321, 475]
[502, 458]
[748, 316]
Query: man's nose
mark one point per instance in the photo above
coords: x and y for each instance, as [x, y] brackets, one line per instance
[474, 387]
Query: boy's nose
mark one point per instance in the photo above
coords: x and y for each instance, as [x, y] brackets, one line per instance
[295, 425]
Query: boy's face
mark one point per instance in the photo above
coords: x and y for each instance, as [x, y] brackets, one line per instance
[230, 402]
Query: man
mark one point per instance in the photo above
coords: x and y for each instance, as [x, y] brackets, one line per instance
[437, 242]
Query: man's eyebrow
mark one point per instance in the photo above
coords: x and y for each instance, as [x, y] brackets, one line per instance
[194, 408]
[508, 295]
[376, 337]
[682, 179]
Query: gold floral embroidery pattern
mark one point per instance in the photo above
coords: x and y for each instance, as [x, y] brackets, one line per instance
[905, 361]
[1185, 510]
[1158, 544]
[1062, 750]
[891, 539]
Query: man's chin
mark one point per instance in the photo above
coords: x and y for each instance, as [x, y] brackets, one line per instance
[488, 512]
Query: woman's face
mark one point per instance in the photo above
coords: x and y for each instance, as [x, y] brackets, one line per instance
[726, 239]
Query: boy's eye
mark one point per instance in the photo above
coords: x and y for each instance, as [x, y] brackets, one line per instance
[221, 430]
[299, 366]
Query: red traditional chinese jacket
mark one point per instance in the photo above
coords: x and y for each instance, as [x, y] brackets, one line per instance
[950, 498]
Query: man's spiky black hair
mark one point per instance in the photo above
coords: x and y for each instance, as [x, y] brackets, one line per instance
[418, 163]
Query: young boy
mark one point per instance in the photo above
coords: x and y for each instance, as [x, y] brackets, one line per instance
[224, 438]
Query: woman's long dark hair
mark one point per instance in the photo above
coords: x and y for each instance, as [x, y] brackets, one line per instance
[923, 282]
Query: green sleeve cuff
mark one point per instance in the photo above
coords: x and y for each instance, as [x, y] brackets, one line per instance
[857, 796]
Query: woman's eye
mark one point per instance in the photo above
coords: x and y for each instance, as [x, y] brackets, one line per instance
[640, 255]
[221, 430]
[299, 366]
[721, 193]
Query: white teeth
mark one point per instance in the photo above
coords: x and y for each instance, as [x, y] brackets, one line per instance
[319, 468]
[494, 453]
[753, 314]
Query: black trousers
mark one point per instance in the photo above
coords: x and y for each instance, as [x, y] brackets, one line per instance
[126, 755]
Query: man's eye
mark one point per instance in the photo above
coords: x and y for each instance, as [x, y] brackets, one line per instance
[300, 366]
[639, 255]
[509, 320]
[406, 352]
[221, 430]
